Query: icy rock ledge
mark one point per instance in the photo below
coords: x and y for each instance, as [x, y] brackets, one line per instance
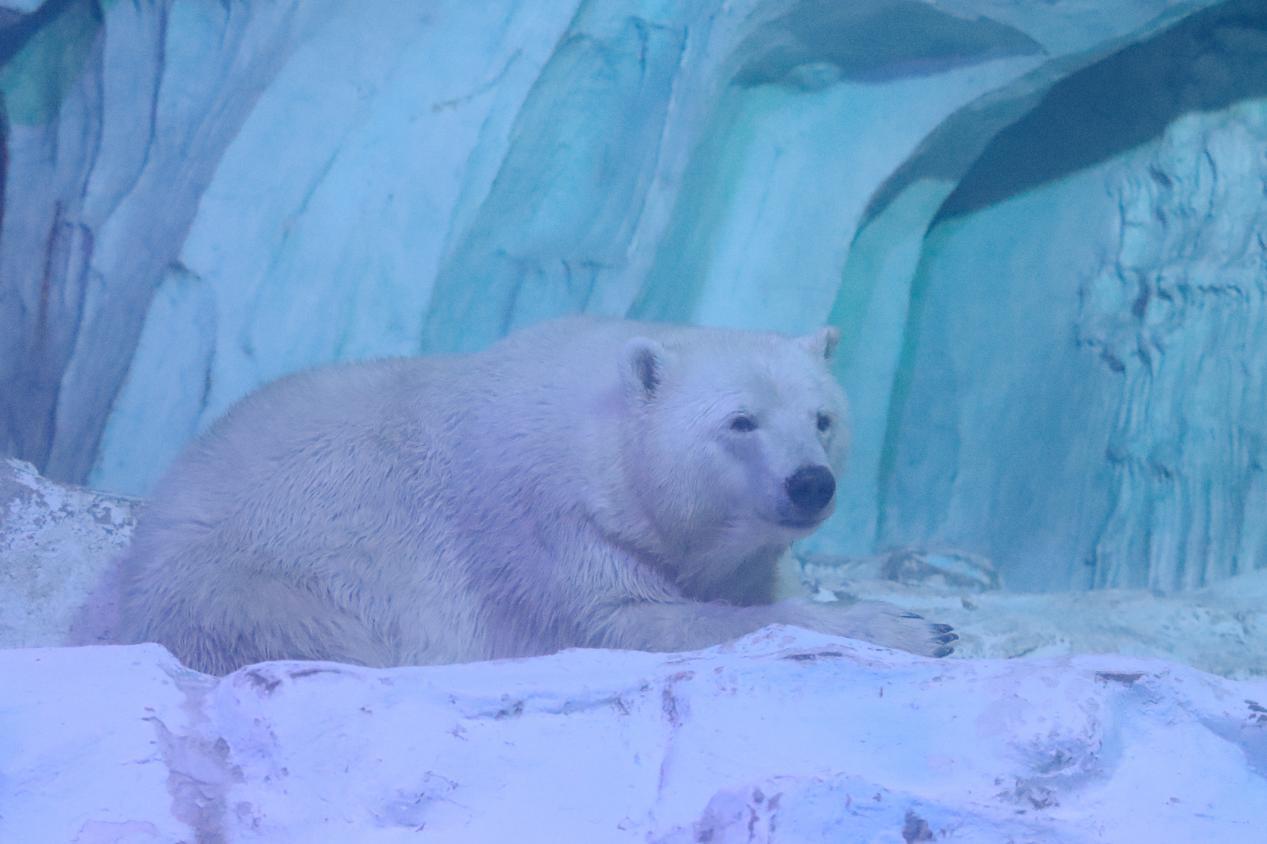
[1221, 628]
[58, 544]
[783, 736]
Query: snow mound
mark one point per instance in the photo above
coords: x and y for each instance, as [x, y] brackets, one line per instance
[783, 736]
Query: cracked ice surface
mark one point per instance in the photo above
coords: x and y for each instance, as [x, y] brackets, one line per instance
[782, 736]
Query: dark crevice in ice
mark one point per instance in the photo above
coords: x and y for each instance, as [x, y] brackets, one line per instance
[874, 42]
[17, 30]
[1206, 63]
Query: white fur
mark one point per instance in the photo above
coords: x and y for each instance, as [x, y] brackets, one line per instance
[577, 484]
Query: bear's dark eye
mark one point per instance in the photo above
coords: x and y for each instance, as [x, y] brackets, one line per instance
[824, 422]
[743, 424]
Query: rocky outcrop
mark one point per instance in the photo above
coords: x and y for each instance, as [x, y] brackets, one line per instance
[58, 546]
[1079, 395]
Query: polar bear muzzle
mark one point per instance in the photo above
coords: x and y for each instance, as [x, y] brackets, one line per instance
[810, 489]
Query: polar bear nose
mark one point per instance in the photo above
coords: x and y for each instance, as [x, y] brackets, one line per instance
[811, 487]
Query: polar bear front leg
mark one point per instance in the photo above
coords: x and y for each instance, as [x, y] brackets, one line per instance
[690, 625]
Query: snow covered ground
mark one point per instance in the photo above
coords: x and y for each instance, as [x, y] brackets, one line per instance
[783, 736]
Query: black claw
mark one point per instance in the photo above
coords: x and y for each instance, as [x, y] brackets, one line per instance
[945, 650]
[942, 628]
[911, 615]
[946, 638]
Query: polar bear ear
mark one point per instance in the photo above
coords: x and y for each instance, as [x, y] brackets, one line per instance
[642, 368]
[822, 342]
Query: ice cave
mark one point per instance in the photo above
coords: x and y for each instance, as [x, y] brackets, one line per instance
[1039, 227]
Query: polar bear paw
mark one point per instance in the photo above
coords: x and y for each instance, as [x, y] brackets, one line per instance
[883, 624]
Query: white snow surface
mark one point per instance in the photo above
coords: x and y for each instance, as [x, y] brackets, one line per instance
[783, 736]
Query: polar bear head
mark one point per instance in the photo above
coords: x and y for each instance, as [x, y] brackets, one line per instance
[732, 447]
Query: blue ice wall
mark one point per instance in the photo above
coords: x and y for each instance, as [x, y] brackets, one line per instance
[198, 198]
[1085, 354]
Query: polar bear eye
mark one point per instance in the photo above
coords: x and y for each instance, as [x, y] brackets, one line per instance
[824, 422]
[743, 423]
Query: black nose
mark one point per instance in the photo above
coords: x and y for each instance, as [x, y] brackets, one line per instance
[811, 487]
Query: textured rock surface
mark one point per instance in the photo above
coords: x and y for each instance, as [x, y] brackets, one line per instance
[57, 549]
[1081, 389]
[783, 736]
[1220, 628]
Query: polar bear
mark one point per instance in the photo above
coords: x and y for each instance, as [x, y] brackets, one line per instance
[582, 483]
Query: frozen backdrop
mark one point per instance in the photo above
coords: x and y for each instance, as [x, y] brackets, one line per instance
[1041, 227]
